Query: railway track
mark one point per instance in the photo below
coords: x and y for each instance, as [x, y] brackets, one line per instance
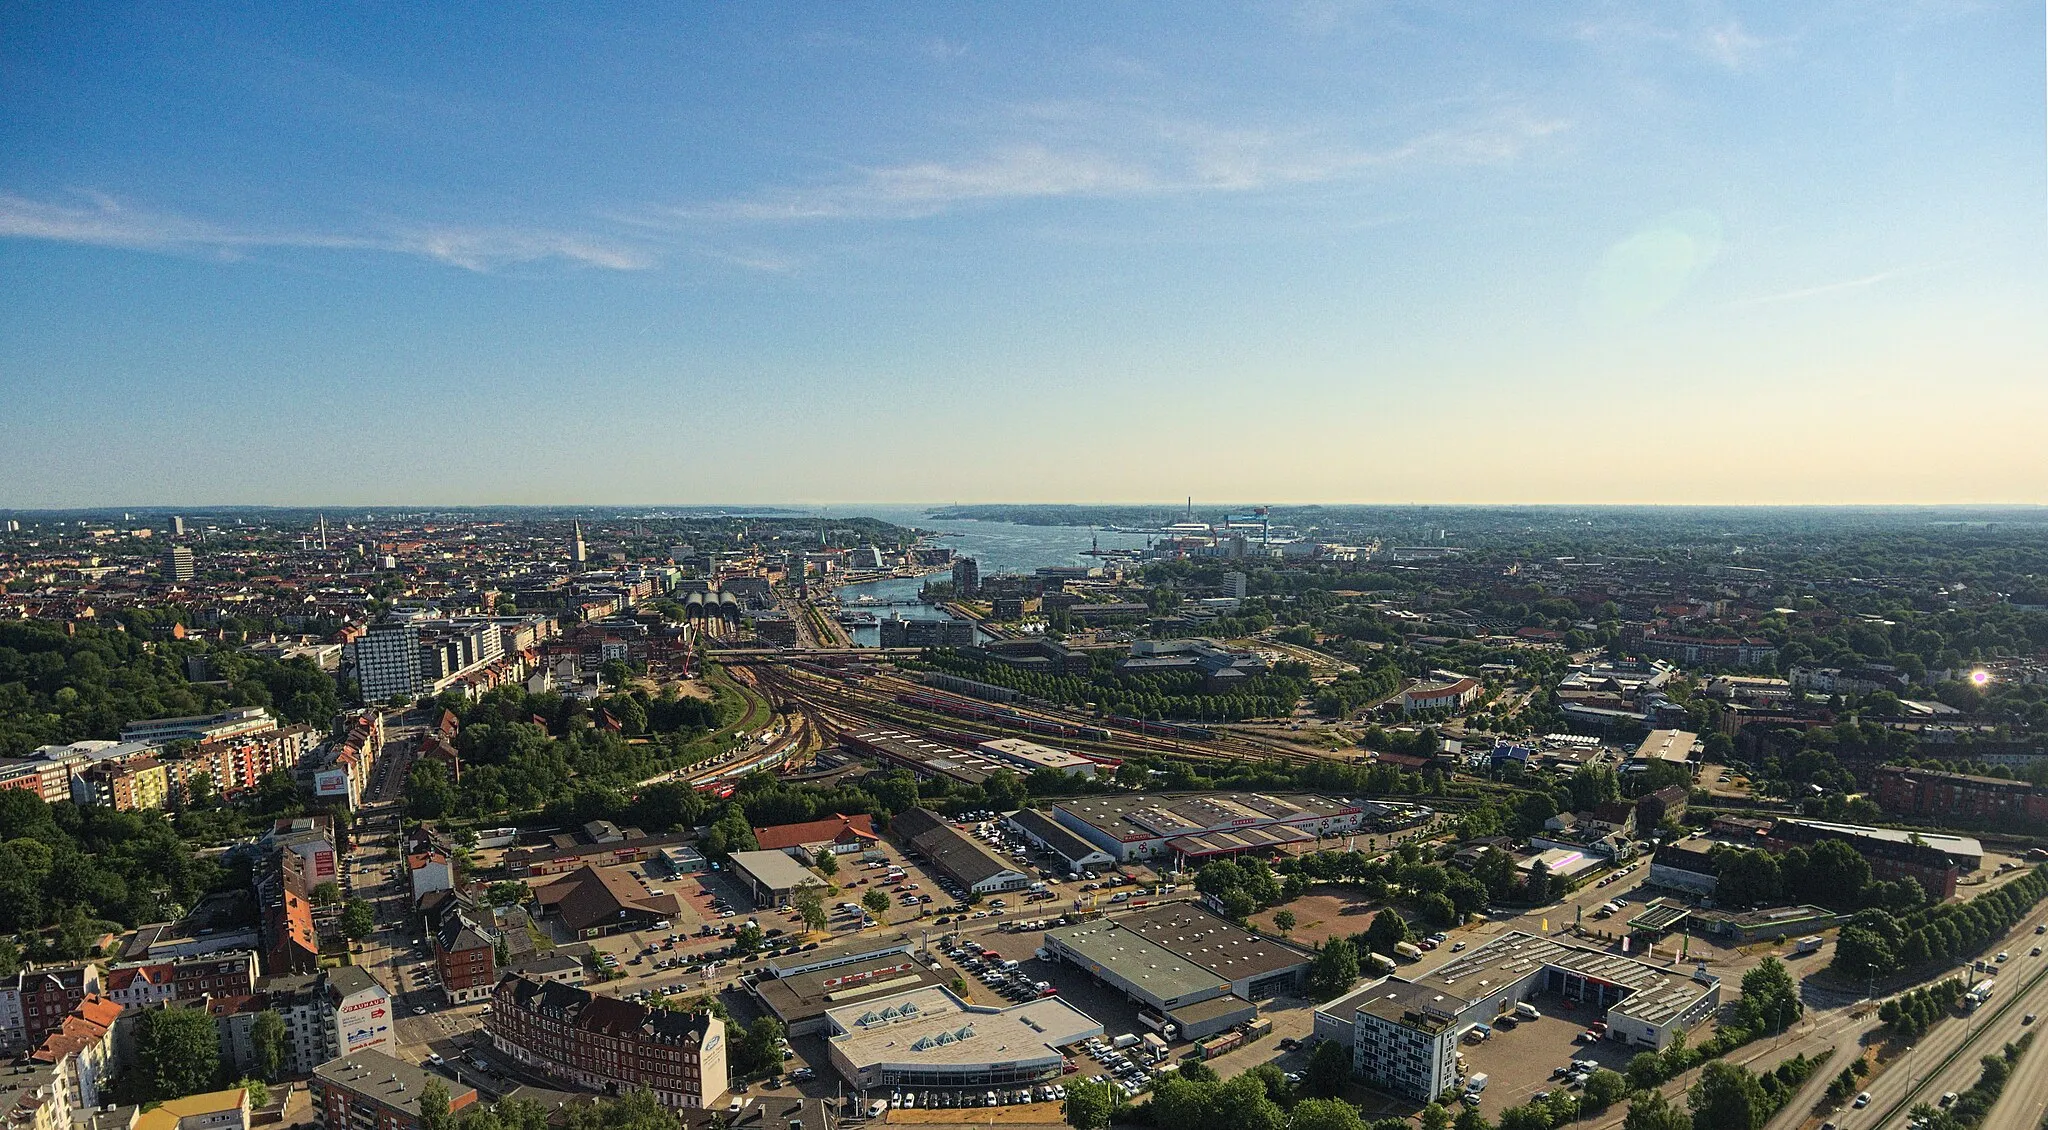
[874, 704]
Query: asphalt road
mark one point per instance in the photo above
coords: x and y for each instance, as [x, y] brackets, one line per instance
[1946, 1057]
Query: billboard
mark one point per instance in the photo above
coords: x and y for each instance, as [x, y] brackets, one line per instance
[365, 1024]
[332, 783]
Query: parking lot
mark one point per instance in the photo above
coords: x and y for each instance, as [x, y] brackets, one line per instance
[1131, 1070]
[1524, 1061]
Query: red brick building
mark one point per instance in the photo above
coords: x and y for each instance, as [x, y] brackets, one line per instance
[1936, 862]
[35, 1002]
[1930, 792]
[610, 1045]
[467, 956]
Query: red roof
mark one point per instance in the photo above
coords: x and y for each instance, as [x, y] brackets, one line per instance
[831, 830]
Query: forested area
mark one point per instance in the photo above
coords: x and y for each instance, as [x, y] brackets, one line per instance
[58, 686]
[1177, 694]
[1881, 942]
[523, 751]
[79, 868]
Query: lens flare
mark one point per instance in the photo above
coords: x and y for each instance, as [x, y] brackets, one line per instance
[1980, 676]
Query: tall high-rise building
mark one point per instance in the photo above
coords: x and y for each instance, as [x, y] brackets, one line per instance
[178, 565]
[388, 661]
[177, 526]
[798, 570]
[1233, 584]
[578, 553]
[966, 576]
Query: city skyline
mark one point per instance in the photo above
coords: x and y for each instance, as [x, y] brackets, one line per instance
[1311, 253]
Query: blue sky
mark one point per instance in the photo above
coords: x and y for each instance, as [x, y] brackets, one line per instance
[1318, 251]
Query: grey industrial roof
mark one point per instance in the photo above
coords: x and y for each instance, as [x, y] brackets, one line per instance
[1139, 816]
[1229, 951]
[1058, 837]
[806, 995]
[1131, 958]
[961, 855]
[1189, 1015]
[1655, 995]
[775, 870]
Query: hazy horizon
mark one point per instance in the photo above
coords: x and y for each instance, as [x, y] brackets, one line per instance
[854, 509]
[1712, 253]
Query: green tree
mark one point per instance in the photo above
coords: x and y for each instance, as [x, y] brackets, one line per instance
[178, 1052]
[1388, 929]
[1334, 969]
[434, 1106]
[760, 1048]
[1327, 1114]
[267, 1038]
[748, 939]
[1748, 878]
[507, 893]
[827, 862]
[326, 894]
[1861, 952]
[1604, 1088]
[1283, 921]
[1089, 1106]
[1329, 1070]
[357, 920]
[1181, 1101]
[1531, 1116]
[809, 903]
[1471, 1119]
[1727, 1097]
[259, 1092]
[1242, 1104]
[877, 902]
[1770, 1001]
[429, 794]
[1650, 1110]
[1435, 1117]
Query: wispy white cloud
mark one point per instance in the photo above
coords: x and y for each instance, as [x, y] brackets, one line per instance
[101, 220]
[1723, 42]
[1861, 283]
[1728, 44]
[1152, 158]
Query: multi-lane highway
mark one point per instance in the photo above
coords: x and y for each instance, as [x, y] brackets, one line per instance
[1945, 1058]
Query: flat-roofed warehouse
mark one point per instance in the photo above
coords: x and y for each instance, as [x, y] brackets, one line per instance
[1029, 757]
[772, 875]
[801, 1000]
[922, 756]
[931, 1038]
[1145, 825]
[1176, 955]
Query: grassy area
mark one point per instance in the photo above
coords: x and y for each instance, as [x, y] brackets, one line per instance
[756, 712]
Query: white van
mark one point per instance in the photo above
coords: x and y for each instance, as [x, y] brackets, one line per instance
[1527, 1011]
[1477, 1083]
